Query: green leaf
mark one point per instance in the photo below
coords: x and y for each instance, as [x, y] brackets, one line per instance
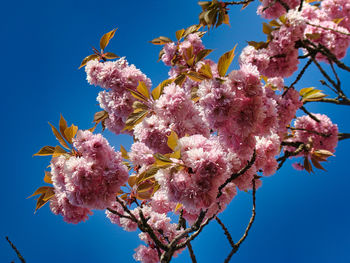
[137, 95]
[225, 61]
[104, 41]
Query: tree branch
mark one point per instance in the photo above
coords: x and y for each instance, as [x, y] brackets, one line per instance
[16, 250]
[227, 234]
[251, 221]
[239, 173]
[343, 136]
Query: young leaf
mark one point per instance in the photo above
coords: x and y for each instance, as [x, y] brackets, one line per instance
[59, 136]
[106, 38]
[172, 140]
[62, 125]
[46, 150]
[180, 79]
[225, 61]
[40, 190]
[178, 206]
[202, 54]
[267, 29]
[135, 118]
[142, 88]
[205, 71]
[87, 59]
[138, 95]
[161, 40]
[159, 89]
[70, 133]
[179, 34]
[110, 55]
[124, 152]
[317, 164]
[58, 151]
[195, 76]
[307, 165]
[47, 177]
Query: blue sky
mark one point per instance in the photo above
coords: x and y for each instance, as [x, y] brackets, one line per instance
[300, 217]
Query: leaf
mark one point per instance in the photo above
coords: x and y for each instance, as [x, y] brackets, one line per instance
[144, 195]
[149, 174]
[180, 79]
[323, 154]
[132, 180]
[172, 140]
[267, 29]
[62, 125]
[190, 30]
[176, 154]
[317, 164]
[137, 95]
[87, 59]
[178, 206]
[161, 40]
[58, 151]
[145, 186]
[40, 202]
[49, 193]
[195, 76]
[162, 161]
[258, 45]
[124, 152]
[142, 88]
[70, 133]
[205, 71]
[59, 136]
[47, 177]
[137, 105]
[226, 19]
[179, 34]
[46, 150]
[110, 55]
[40, 190]
[338, 20]
[135, 118]
[225, 61]
[202, 54]
[159, 89]
[104, 41]
[311, 94]
[307, 165]
[313, 36]
[274, 23]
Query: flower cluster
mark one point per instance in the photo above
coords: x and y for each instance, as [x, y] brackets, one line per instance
[89, 180]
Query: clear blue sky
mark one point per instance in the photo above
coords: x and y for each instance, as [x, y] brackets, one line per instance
[300, 217]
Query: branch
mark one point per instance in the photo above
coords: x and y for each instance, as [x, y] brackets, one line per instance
[288, 154]
[16, 250]
[308, 63]
[343, 136]
[251, 221]
[309, 113]
[239, 173]
[238, 2]
[227, 234]
[342, 101]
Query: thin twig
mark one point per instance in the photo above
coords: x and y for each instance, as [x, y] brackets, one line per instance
[343, 136]
[309, 113]
[16, 250]
[239, 173]
[251, 221]
[227, 234]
